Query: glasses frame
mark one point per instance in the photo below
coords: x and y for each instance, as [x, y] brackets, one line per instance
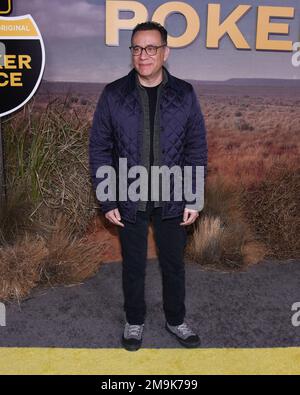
[145, 48]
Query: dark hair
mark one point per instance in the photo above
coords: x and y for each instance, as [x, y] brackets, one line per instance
[151, 25]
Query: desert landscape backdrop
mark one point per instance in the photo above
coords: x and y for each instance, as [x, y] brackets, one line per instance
[251, 205]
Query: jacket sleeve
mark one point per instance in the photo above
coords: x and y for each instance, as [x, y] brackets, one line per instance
[101, 145]
[195, 151]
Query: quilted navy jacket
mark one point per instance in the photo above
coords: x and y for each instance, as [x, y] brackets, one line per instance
[117, 132]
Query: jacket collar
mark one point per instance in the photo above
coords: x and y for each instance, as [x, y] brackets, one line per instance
[132, 80]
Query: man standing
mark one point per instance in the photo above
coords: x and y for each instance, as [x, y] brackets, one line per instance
[151, 118]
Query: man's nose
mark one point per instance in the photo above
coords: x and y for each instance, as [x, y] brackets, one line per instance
[143, 54]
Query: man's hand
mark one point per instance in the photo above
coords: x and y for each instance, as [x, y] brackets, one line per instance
[189, 216]
[114, 217]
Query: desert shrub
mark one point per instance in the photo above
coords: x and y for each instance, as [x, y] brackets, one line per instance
[220, 238]
[15, 213]
[54, 258]
[272, 208]
[49, 202]
[69, 260]
[47, 159]
[20, 267]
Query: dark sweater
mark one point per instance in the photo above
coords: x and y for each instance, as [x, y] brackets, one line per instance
[152, 95]
[149, 97]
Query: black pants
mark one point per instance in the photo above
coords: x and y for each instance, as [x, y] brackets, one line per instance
[170, 238]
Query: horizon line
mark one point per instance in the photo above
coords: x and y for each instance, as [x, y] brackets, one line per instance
[187, 79]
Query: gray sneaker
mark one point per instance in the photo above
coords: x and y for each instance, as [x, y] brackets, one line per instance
[184, 334]
[132, 336]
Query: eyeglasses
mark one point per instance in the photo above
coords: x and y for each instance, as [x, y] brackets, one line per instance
[151, 50]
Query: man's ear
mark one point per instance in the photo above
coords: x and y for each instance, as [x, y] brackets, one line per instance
[166, 53]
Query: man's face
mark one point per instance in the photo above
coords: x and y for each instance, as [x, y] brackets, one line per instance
[146, 65]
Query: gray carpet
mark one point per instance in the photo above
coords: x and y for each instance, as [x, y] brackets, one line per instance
[245, 309]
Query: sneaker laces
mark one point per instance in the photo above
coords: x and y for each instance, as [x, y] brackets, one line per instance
[185, 329]
[135, 330]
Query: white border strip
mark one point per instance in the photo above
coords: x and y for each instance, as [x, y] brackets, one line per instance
[19, 38]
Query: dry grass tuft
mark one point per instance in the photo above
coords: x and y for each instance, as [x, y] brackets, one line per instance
[52, 259]
[47, 181]
[272, 208]
[15, 215]
[70, 260]
[20, 267]
[220, 237]
[47, 152]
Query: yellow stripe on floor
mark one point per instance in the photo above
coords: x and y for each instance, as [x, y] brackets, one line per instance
[149, 361]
